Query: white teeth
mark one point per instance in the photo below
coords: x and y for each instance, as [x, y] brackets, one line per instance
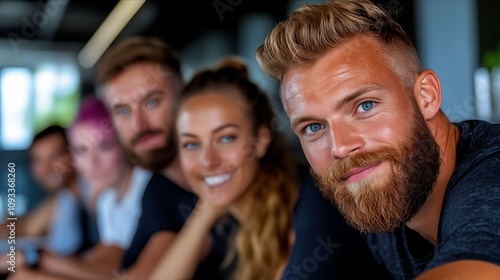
[217, 180]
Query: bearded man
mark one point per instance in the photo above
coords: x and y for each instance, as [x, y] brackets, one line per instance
[369, 121]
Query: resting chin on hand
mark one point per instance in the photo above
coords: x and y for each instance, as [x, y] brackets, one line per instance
[463, 270]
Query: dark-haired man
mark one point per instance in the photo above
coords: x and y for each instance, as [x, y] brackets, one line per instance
[62, 223]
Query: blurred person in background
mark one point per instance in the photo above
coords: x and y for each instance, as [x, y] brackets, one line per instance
[116, 190]
[98, 154]
[238, 165]
[61, 224]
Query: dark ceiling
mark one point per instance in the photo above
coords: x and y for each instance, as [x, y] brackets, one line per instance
[67, 25]
[75, 21]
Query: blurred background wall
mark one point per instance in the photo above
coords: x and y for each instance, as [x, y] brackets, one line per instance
[48, 51]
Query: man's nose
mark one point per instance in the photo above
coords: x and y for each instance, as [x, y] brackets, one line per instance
[139, 121]
[346, 141]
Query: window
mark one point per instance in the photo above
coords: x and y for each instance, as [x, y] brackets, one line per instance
[33, 98]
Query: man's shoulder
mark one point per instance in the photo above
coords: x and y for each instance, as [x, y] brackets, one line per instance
[478, 136]
[163, 189]
[474, 181]
[165, 205]
[159, 180]
[469, 215]
[478, 149]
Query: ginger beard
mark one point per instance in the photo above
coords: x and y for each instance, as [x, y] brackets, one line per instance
[385, 202]
[156, 159]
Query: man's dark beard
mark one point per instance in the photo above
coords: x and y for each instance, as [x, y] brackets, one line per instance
[154, 160]
[382, 204]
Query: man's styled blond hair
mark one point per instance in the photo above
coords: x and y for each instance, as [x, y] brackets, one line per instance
[313, 30]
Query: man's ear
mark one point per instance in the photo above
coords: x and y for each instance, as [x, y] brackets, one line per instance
[427, 90]
[263, 140]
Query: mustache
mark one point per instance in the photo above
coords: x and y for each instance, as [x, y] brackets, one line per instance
[143, 134]
[339, 169]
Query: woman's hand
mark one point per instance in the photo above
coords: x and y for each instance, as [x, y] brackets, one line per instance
[207, 212]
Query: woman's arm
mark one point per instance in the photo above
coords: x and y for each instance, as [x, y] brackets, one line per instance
[100, 262]
[151, 255]
[190, 246]
[464, 270]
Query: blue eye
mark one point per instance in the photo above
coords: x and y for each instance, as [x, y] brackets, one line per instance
[122, 112]
[152, 102]
[227, 139]
[312, 128]
[190, 146]
[366, 106]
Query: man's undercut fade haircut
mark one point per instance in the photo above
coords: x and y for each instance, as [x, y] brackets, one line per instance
[313, 30]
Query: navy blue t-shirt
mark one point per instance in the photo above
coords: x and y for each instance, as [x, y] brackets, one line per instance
[326, 247]
[469, 224]
[166, 207]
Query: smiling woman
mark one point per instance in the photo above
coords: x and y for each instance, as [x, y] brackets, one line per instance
[240, 167]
